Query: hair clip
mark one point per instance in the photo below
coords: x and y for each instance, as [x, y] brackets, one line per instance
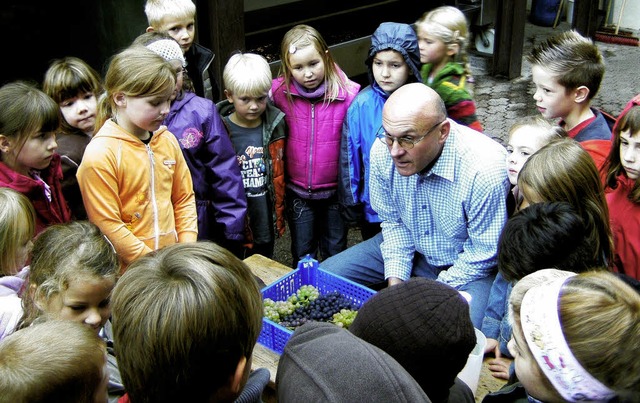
[292, 49]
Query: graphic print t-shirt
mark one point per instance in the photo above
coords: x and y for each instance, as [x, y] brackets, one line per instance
[247, 143]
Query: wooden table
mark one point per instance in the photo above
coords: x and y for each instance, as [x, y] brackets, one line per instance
[269, 271]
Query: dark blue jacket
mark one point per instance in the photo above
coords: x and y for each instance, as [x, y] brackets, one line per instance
[364, 117]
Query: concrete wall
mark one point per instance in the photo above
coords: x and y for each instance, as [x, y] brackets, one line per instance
[630, 16]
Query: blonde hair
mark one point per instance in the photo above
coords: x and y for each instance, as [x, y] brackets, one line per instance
[157, 10]
[25, 110]
[247, 74]
[448, 24]
[17, 227]
[66, 78]
[546, 128]
[65, 252]
[53, 361]
[599, 313]
[302, 36]
[563, 171]
[136, 72]
[183, 336]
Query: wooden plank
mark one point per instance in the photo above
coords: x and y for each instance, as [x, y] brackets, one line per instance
[269, 271]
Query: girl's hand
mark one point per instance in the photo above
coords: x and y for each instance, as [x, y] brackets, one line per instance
[492, 347]
[499, 367]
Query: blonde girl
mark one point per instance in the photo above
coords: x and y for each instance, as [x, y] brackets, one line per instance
[73, 271]
[29, 119]
[314, 93]
[135, 183]
[443, 37]
[563, 171]
[75, 87]
[575, 338]
[17, 227]
[527, 136]
[622, 189]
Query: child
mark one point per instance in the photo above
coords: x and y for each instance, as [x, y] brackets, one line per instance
[563, 171]
[190, 336]
[443, 38]
[29, 119]
[394, 60]
[54, 361]
[566, 70]
[350, 369]
[553, 233]
[314, 94]
[135, 183]
[217, 184]
[421, 322]
[178, 19]
[76, 87]
[526, 136]
[575, 338]
[622, 190]
[73, 271]
[17, 226]
[257, 130]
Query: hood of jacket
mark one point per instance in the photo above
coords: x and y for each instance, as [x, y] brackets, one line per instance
[399, 37]
[634, 101]
[117, 132]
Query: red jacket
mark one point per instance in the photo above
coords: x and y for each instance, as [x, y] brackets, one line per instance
[48, 212]
[625, 226]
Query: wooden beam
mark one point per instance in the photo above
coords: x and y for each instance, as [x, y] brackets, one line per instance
[585, 17]
[509, 38]
[220, 26]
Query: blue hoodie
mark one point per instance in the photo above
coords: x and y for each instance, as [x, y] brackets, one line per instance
[364, 117]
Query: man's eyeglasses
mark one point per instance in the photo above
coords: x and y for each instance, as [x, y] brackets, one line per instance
[406, 143]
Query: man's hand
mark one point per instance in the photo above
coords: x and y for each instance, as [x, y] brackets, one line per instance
[394, 281]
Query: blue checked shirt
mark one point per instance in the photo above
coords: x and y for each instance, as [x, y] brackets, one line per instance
[453, 214]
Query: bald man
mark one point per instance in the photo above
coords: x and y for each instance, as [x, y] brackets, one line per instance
[440, 189]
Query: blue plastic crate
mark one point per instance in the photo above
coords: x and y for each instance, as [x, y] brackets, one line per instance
[274, 336]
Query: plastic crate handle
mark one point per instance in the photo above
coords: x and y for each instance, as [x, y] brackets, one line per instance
[308, 267]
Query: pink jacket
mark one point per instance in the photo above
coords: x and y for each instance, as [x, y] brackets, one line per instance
[313, 142]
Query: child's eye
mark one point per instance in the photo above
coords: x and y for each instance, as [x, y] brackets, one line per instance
[262, 98]
[76, 308]
[105, 303]
[88, 95]
[525, 154]
[509, 149]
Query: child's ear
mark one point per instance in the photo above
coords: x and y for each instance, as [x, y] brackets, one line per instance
[5, 143]
[227, 94]
[238, 379]
[37, 297]
[150, 29]
[453, 49]
[582, 94]
[120, 99]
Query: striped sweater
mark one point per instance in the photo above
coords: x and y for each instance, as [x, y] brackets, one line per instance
[450, 84]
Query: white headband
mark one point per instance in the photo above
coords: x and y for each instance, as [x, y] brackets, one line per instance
[542, 330]
[168, 49]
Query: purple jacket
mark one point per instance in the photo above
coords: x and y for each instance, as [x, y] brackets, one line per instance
[217, 184]
[313, 142]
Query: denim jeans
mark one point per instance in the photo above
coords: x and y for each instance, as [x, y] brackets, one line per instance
[315, 225]
[363, 264]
